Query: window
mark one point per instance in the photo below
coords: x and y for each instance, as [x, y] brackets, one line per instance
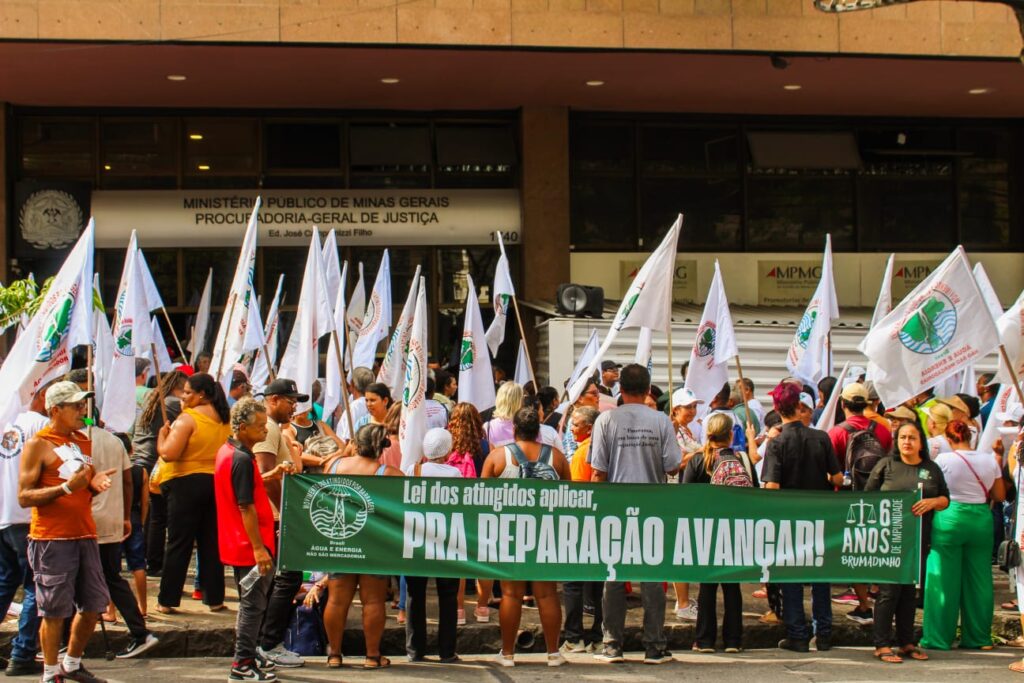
[390, 155]
[222, 149]
[984, 194]
[711, 208]
[197, 264]
[603, 186]
[58, 147]
[475, 155]
[303, 146]
[794, 213]
[138, 153]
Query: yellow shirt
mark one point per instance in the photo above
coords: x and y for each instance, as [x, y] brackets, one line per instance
[201, 449]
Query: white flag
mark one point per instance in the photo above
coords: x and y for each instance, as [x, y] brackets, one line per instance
[501, 297]
[988, 292]
[715, 344]
[313, 320]
[231, 337]
[42, 352]
[809, 358]
[357, 304]
[524, 373]
[103, 346]
[476, 379]
[153, 299]
[334, 378]
[133, 338]
[1011, 335]
[261, 368]
[332, 268]
[162, 357]
[647, 303]
[254, 326]
[377, 319]
[884, 304]
[202, 323]
[827, 419]
[588, 355]
[940, 327]
[645, 349]
[1006, 400]
[413, 425]
[392, 368]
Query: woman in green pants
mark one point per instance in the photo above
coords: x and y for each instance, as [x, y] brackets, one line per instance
[958, 586]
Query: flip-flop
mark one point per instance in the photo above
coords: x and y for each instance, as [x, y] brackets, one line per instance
[760, 594]
[914, 653]
[334, 661]
[889, 657]
[378, 662]
[1012, 605]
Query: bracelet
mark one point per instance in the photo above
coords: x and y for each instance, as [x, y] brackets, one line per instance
[66, 489]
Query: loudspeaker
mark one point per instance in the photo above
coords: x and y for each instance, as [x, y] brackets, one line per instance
[580, 300]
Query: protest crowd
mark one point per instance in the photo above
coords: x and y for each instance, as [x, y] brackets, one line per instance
[161, 461]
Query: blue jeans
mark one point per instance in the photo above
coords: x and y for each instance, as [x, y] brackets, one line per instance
[795, 618]
[15, 572]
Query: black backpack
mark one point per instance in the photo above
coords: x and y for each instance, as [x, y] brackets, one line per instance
[863, 451]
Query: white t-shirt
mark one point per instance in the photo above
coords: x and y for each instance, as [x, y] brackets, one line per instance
[433, 469]
[12, 442]
[939, 444]
[358, 410]
[437, 415]
[963, 484]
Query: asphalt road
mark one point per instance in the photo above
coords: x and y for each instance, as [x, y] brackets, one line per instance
[839, 665]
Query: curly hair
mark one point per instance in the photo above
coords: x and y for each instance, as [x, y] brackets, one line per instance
[172, 380]
[243, 412]
[467, 429]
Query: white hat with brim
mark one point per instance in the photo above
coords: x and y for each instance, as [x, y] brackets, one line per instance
[65, 392]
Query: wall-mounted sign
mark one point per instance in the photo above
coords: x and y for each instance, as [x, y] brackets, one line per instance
[49, 215]
[787, 282]
[196, 218]
[684, 284]
[908, 274]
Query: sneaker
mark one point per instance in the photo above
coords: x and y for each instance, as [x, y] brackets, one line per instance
[794, 645]
[454, 659]
[610, 655]
[24, 667]
[81, 674]
[137, 647]
[482, 614]
[655, 656]
[557, 659]
[197, 594]
[250, 672]
[578, 647]
[688, 613]
[823, 643]
[862, 616]
[504, 659]
[264, 664]
[733, 650]
[283, 658]
[460, 617]
[847, 598]
[703, 649]
[588, 610]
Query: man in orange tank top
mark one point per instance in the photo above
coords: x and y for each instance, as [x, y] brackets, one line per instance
[58, 482]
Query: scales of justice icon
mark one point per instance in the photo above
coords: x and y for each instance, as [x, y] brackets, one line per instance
[861, 513]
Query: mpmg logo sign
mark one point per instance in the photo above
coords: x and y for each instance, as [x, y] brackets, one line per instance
[795, 272]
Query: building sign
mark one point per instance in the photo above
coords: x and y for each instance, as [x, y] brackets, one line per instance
[785, 282]
[49, 217]
[217, 218]
[908, 274]
[684, 284]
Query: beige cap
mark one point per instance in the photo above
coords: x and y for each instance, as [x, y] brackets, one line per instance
[854, 391]
[65, 392]
[956, 403]
[901, 413]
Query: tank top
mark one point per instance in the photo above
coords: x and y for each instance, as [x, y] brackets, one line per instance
[303, 433]
[333, 467]
[68, 517]
[201, 450]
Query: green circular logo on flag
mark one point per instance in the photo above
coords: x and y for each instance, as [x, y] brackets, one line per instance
[706, 336]
[931, 326]
[467, 354]
[338, 508]
[56, 321]
[414, 390]
[803, 330]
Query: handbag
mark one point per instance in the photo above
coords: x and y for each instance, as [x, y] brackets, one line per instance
[1008, 553]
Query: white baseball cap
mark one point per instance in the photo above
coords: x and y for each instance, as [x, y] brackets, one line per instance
[685, 397]
[807, 400]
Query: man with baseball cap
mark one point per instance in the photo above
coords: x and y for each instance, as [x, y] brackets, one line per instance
[609, 384]
[277, 455]
[58, 482]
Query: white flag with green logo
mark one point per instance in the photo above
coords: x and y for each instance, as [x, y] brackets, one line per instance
[229, 344]
[714, 346]
[376, 319]
[42, 351]
[476, 380]
[413, 424]
[942, 326]
[647, 302]
[501, 299]
[809, 357]
[392, 368]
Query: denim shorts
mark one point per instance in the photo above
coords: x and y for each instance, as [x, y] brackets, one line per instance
[134, 547]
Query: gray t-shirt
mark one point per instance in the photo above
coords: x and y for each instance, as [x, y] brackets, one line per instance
[634, 444]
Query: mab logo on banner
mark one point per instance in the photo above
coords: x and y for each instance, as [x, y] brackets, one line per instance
[338, 508]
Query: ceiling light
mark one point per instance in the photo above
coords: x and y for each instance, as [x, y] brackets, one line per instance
[175, 77]
[195, 136]
[389, 81]
[595, 84]
[203, 167]
[106, 167]
[979, 91]
[792, 86]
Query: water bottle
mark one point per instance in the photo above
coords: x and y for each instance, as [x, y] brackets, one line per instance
[249, 580]
[847, 481]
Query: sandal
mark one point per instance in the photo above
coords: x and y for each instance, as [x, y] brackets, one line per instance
[378, 662]
[914, 652]
[218, 608]
[888, 656]
[167, 610]
[334, 661]
[1017, 667]
[760, 594]
[1012, 605]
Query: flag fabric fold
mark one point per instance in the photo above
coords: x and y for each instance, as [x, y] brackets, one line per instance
[413, 424]
[392, 368]
[332, 267]
[523, 374]
[714, 346]
[942, 326]
[1011, 335]
[884, 303]
[261, 367]
[647, 302]
[357, 304]
[42, 351]
[231, 338]
[501, 296]
[376, 319]
[162, 357]
[809, 357]
[588, 355]
[644, 354]
[202, 323]
[476, 379]
[828, 414]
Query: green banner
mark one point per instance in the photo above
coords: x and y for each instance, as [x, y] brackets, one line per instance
[526, 529]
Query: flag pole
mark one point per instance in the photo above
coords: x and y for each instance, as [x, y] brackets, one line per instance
[227, 331]
[743, 388]
[668, 341]
[174, 334]
[195, 348]
[1013, 372]
[522, 335]
[156, 366]
[88, 386]
[344, 389]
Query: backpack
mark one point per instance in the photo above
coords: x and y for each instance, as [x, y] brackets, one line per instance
[863, 451]
[537, 469]
[306, 634]
[729, 471]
